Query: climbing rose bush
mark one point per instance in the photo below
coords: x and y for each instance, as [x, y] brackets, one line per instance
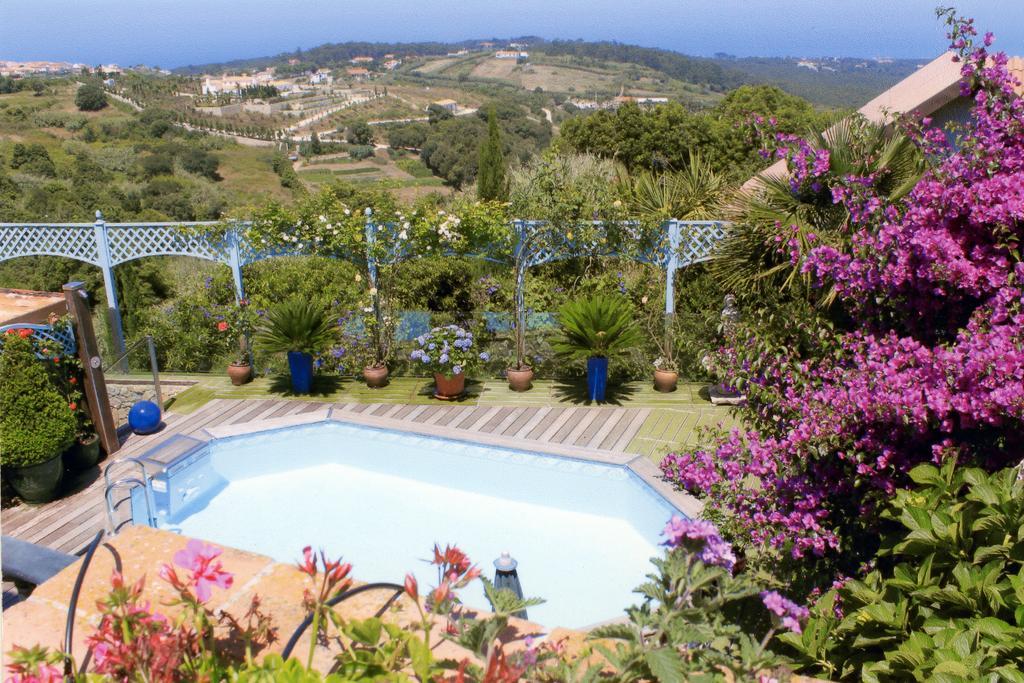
[931, 366]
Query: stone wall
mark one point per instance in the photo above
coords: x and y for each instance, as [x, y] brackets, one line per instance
[124, 396]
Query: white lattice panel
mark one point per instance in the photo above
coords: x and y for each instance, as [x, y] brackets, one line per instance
[73, 241]
[63, 338]
[698, 241]
[129, 242]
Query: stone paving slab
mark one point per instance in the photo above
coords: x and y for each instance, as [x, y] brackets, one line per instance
[139, 552]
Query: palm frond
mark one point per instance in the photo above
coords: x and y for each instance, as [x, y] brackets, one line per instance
[598, 326]
[295, 325]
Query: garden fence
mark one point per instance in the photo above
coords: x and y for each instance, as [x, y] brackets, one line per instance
[106, 245]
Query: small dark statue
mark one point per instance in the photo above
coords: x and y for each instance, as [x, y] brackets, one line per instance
[723, 394]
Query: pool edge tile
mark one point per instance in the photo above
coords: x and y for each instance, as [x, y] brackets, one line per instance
[651, 475]
[223, 431]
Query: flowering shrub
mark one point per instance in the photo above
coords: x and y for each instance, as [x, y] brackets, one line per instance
[932, 367]
[698, 614]
[238, 320]
[947, 602]
[447, 351]
[37, 422]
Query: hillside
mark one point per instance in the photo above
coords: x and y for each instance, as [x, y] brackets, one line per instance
[833, 82]
[599, 68]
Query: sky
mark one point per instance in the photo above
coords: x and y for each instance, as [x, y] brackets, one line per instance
[172, 33]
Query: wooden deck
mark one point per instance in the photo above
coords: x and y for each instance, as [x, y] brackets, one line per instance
[69, 524]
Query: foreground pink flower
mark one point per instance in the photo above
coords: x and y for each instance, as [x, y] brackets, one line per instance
[206, 570]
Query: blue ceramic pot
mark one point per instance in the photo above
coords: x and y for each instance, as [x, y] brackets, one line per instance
[301, 366]
[597, 378]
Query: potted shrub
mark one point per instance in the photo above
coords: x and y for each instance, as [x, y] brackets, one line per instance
[661, 328]
[447, 352]
[68, 377]
[378, 330]
[239, 319]
[595, 330]
[300, 329]
[36, 423]
[357, 350]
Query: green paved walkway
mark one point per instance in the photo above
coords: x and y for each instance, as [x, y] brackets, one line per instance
[675, 419]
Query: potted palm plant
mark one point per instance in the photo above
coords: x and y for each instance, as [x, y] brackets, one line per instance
[595, 330]
[299, 328]
[37, 424]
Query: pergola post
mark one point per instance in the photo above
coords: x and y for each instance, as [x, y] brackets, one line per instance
[95, 388]
[109, 285]
[672, 265]
[235, 262]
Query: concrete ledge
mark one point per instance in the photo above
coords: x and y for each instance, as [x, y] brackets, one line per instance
[222, 431]
[591, 455]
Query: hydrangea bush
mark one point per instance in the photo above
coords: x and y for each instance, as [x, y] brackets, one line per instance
[447, 351]
[928, 363]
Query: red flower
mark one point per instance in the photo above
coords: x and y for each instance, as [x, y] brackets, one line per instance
[222, 326]
[308, 564]
[73, 405]
[56, 359]
[411, 587]
[73, 380]
[24, 333]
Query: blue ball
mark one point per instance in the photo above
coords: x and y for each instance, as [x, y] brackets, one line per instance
[144, 417]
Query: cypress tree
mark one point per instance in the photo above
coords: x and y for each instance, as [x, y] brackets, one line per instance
[490, 177]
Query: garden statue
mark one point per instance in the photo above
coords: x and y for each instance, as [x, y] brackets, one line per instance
[723, 394]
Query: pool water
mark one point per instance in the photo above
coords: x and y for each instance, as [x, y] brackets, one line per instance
[582, 532]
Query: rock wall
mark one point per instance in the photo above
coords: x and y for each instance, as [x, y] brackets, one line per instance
[124, 396]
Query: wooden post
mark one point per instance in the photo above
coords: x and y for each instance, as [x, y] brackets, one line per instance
[88, 351]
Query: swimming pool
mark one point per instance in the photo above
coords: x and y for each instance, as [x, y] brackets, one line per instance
[582, 532]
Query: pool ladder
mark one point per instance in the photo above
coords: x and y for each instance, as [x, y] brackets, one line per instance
[127, 484]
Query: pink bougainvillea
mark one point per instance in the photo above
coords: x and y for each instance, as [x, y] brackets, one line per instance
[931, 362]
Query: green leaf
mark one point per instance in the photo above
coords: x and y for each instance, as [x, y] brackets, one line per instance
[366, 631]
[666, 665]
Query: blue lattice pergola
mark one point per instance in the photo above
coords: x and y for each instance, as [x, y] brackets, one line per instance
[106, 245]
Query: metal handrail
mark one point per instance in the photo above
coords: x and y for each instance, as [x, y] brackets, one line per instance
[69, 628]
[342, 597]
[143, 481]
[148, 340]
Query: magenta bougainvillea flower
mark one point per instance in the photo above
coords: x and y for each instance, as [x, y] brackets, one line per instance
[931, 286]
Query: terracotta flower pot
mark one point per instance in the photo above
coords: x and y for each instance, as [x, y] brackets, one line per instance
[375, 377]
[665, 380]
[449, 388]
[519, 379]
[240, 373]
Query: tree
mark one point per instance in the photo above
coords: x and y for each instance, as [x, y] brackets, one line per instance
[806, 216]
[360, 133]
[90, 97]
[314, 144]
[490, 178]
[436, 113]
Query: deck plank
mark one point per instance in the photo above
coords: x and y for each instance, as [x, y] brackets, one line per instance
[632, 429]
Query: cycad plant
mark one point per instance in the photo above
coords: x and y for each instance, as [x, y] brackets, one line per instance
[749, 260]
[295, 325]
[695, 193]
[600, 326]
